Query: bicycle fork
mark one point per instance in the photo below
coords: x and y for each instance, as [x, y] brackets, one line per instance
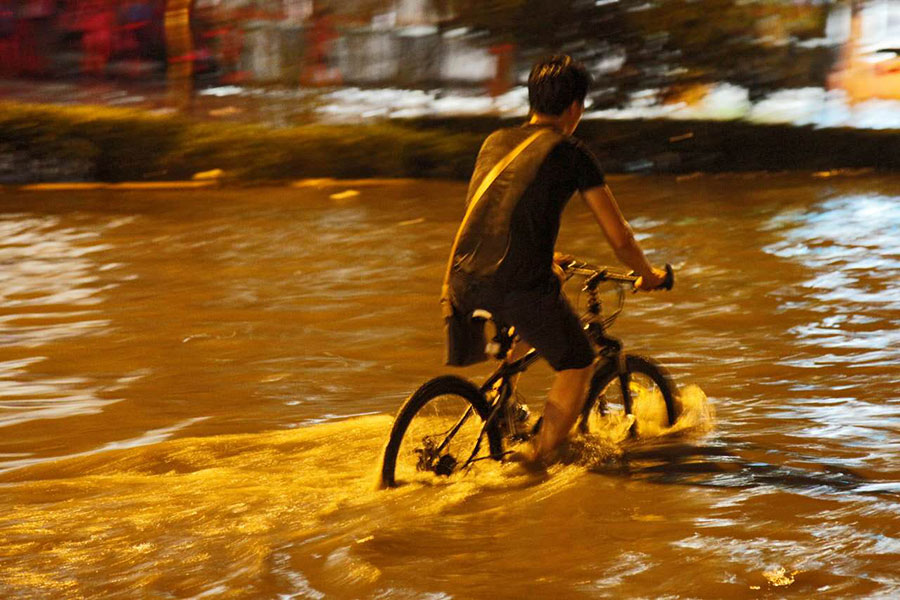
[625, 383]
[612, 350]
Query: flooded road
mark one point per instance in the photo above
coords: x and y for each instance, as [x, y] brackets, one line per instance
[195, 388]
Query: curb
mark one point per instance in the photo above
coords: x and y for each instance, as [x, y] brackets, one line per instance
[126, 185]
[318, 183]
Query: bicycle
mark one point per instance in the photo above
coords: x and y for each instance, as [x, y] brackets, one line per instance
[442, 426]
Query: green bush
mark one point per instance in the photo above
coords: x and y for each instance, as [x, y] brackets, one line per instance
[127, 144]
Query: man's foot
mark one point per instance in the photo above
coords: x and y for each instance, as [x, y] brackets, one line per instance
[526, 458]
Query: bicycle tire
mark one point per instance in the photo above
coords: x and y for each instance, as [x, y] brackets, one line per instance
[403, 446]
[635, 364]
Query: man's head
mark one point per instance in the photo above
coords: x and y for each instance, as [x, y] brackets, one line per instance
[555, 83]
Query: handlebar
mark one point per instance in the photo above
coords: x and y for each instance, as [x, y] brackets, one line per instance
[587, 270]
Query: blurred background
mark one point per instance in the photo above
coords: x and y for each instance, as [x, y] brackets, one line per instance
[820, 62]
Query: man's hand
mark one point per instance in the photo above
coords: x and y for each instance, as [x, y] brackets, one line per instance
[653, 281]
[560, 259]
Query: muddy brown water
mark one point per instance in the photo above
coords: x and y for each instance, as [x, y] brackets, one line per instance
[195, 388]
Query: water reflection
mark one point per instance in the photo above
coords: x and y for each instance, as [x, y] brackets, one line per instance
[49, 293]
[851, 246]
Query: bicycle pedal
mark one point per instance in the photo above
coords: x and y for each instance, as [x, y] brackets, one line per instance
[521, 412]
[515, 420]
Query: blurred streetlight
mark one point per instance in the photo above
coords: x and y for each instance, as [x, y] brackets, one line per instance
[179, 52]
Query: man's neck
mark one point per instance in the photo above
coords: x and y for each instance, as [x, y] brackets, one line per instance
[551, 121]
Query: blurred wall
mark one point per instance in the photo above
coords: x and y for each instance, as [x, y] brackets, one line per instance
[413, 56]
[369, 56]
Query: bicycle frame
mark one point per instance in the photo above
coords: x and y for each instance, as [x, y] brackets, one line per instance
[608, 347]
[502, 374]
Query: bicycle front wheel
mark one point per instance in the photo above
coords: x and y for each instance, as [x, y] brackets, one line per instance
[645, 390]
[436, 431]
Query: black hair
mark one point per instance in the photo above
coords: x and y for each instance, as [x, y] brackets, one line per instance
[555, 83]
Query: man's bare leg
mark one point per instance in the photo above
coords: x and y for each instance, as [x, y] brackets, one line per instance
[566, 399]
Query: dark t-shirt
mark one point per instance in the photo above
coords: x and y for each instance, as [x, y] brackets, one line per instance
[534, 224]
[534, 227]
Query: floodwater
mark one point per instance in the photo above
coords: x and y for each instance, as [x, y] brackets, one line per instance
[195, 388]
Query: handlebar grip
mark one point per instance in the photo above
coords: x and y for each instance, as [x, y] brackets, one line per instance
[669, 281]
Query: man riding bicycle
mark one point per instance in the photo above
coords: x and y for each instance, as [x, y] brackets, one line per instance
[503, 257]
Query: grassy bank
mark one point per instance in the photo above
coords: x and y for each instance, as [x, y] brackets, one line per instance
[46, 143]
[669, 146]
[55, 143]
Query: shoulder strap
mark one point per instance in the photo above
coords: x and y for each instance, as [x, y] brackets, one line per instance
[482, 188]
[499, 168]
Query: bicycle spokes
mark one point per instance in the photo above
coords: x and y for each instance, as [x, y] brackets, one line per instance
[439, 438]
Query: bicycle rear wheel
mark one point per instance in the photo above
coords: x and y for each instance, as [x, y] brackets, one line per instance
[646, 391]
[436, 431]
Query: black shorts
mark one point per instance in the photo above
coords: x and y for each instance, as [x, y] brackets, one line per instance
[545, 319]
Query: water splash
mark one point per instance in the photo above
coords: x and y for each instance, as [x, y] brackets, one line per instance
[610, 434]
[780, 577]
[168, 516]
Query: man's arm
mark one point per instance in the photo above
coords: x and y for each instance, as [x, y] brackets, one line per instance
[620, 236]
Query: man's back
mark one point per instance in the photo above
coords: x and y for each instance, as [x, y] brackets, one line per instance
[507, 243]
